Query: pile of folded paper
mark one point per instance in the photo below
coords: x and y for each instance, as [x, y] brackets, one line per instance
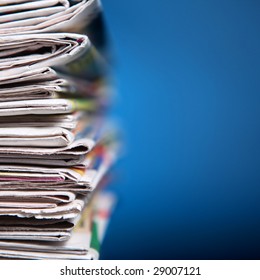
[55, 144]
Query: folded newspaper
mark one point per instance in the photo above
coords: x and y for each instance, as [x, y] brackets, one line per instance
[36, 137]
[56, 146]
[68, 121]
[23, 16]
[47, 83]
[44, 107]
[71, 53]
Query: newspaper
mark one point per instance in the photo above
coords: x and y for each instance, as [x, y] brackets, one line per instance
[30, 76]
[54, 197]
[68, 211]
[85, 240]
[71, 53]
[68, 121]
[46, 160]
[21, 16]
[19, 53]
[47, 83]
[45, 106]
[38, 90]
[36, 137]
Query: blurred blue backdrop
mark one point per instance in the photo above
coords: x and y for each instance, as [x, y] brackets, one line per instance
[188, 74]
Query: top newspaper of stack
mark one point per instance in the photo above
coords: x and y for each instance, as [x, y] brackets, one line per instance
[36, 16]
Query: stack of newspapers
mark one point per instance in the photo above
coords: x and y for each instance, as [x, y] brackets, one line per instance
[55, 143]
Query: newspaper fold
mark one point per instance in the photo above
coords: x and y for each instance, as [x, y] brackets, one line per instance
[73, 53]
[68, 211]
[54, 197]
[36, 137]
[47, 83]
[39, 90]
[21, 53]
[68, 121]
[45, 106]
[53, 160]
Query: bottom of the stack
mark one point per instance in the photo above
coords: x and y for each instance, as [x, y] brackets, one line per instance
[85, 240]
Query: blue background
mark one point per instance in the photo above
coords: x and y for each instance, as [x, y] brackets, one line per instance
[188, 74]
